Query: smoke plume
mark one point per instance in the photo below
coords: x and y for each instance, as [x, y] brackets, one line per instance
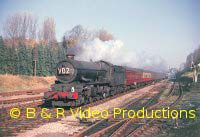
[95, 45]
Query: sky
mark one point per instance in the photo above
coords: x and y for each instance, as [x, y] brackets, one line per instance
[168, 28]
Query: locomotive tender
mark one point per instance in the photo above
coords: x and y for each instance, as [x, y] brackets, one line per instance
[80, 82]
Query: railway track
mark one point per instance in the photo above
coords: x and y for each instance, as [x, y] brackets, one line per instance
[24, 92]
[19, 100]
[131, 127]
[10, 126]
[108, 127]
[147, 123]
[158, 123]
[16, 99]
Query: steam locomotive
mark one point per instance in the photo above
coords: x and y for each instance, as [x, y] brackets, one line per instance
[80, 82]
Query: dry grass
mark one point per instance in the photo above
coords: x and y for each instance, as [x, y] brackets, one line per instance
[16, 82]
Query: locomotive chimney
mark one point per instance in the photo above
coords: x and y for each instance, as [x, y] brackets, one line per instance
[70, 56]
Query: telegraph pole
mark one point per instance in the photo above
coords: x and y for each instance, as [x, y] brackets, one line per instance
[34, 71]
[35, 59]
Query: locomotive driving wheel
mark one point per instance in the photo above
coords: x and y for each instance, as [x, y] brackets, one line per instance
[87, 100]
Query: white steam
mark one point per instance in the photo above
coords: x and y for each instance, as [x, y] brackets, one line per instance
[88, 46]
[99, 50]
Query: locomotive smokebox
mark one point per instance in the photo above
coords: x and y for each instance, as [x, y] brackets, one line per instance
[70, 56]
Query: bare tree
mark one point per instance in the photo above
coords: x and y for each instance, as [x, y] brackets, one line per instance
[47, 33]
[104, 35]
[32, 28]
[189, 60]
[75, 35]
[196, 55]
[78, 34]
[20, 26]
[193, 57]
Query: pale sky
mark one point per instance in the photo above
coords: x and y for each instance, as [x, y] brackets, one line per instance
[168, 28]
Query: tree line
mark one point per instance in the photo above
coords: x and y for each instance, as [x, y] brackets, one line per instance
[22, 26]
[20, 59]
[192, 57]
[25, 42]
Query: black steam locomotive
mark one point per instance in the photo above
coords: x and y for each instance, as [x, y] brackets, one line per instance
[80, 82]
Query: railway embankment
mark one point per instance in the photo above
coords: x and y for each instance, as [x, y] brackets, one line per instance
[12, 83]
